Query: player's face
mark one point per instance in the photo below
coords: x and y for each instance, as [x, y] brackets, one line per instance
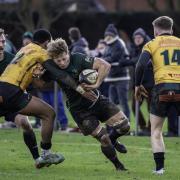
[2, 43]
[108, 39]
[101, 48]
[62, 60]
[138, 40]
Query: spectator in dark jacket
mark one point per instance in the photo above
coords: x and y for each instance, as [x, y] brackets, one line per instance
[140, 38]
[79, 43]
[118, 78]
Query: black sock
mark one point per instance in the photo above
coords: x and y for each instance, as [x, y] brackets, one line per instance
[113, 135]
[46, 146]
[110, 153]
[31, 143]
[159, 160]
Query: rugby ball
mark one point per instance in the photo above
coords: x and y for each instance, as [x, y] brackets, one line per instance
[88, 76]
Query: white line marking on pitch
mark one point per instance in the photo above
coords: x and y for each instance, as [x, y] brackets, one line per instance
[90, 144]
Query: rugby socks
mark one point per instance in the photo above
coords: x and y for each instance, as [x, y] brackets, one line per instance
[110, 153]
[31, 143]
[159, 160]
[113, 135]
[45, 148]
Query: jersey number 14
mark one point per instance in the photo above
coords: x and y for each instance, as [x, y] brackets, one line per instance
[175, 57]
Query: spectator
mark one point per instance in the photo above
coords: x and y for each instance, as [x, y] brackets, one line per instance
[27, 38]
[79, 43]
[100, 49]
[118, 78]
[9, 47]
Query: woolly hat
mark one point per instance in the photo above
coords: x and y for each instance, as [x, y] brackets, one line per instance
[28, 35]
[140, 32]
[111, 30]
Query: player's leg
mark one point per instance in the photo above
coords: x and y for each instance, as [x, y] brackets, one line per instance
[109, 113]
[157, 142]
[107, 148]
[89, 125]
[28, 134]
[120, 126]
[37, 107]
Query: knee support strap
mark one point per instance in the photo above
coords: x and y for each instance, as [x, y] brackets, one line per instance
[103, 137]
[123, 126]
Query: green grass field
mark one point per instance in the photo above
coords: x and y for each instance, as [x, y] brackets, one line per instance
[84, 160]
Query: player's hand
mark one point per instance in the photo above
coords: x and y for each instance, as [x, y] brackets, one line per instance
[90, 95]
[38, 71]
[86, 94]
[139, 92]
[88, 87]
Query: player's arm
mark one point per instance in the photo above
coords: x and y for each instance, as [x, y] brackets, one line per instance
[139, 71]
[103, 69]
[58, 75]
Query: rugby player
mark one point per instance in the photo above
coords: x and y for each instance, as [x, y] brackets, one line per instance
[87, 113]
[20, 120]
[164, 52]
[13, 98]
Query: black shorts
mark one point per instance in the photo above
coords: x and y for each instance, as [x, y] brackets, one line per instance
[88, 119]
[13, 99]
[161, 108]
[10, 116]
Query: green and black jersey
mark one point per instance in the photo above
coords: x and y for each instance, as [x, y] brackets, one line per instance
[8, 57]
[78, 62]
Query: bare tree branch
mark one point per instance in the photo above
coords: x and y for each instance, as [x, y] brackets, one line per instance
[153, 5]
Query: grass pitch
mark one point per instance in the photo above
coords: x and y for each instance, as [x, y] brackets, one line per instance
[84, 160]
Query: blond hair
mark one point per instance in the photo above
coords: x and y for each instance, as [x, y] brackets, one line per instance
[163, 22]
[57, 47]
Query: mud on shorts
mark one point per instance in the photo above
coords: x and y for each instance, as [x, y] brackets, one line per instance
[160, 108]
[88, 119]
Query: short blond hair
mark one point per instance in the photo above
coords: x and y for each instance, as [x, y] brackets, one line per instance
[163, 22]
[57, 47]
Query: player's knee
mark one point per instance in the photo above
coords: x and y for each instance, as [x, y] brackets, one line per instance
[123, 126]
[48, 115]
[156, 134]
[25, 125]
[103, 137]
[52, 114]
[90, 127]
